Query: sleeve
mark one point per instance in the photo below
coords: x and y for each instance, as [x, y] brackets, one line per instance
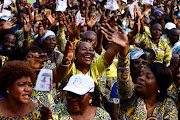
[102, 114]
[124, 81]
[61, 39]
[114, 98]
[171, 112]
[20, 37]
[100, 63]
[142, 40]
[167, 55]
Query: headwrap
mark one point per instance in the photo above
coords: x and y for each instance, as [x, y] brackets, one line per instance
[158, 10]
[48, 33]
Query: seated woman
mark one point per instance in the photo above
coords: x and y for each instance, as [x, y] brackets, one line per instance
[149, 99]
[80, 92]
[16, 80]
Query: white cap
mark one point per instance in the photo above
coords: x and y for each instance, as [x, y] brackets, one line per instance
[124, 1]
[170, 25]
[80, 84]
[134, 55]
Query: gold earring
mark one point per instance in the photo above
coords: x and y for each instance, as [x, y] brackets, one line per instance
[90, 101]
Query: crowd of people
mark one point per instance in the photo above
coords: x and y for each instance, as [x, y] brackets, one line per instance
[94, 60]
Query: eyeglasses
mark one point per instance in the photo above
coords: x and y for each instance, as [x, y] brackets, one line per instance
[71, 95]
[137, 62]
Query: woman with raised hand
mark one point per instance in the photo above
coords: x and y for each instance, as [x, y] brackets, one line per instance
[84, 63]
[148, 99]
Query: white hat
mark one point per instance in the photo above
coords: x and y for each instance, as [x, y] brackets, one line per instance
[170, 25]
[80, 84]
[134, 55]
[124, 1]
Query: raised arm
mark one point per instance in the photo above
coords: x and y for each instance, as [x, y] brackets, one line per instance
[125, 84]
[120, 43]
[61, 71]
[60, 36]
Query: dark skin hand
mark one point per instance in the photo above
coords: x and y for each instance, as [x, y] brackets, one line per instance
[71, 26]
[46, 113]
[9, 24]
[121, 39]
[37, 63]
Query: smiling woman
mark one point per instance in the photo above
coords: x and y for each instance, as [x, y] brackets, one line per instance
[9, 46]
[80, 92]
[16, 80]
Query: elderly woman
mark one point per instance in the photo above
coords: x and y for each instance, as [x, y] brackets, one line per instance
[47, 42]
[80, 92]
[16, 80]
[149, 99]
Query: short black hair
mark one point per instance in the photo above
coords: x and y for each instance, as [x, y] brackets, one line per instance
[7, 32]
[32, 48]
[21, 11]
[2, 20]
[92, 5]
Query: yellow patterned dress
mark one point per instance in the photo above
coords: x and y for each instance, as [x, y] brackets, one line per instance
[60, 112]
[29, 116]
[132, 106]
[162, 49]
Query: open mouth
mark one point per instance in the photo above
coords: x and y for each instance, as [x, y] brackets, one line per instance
[87, 57]
[139, 84]
[26, 96]
[8, 48]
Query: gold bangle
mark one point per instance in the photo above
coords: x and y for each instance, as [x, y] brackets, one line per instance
[66, 65]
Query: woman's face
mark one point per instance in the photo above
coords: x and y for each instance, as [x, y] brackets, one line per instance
[21, 19]
[9, 43]
[103, 20]
[85, 53]
[139, 64]
[82, 30]
[92, 15]
[49, 43]
[77, 103]
[156, 31]
[92, 8]
[147, 83]
[96, 27]
[31, 55]
[21, 90]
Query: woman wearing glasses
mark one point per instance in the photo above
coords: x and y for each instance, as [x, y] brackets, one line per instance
[79, 95]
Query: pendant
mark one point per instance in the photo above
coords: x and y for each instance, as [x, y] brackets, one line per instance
[49, 62]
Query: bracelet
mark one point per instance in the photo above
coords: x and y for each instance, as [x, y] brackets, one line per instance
[65, 65]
